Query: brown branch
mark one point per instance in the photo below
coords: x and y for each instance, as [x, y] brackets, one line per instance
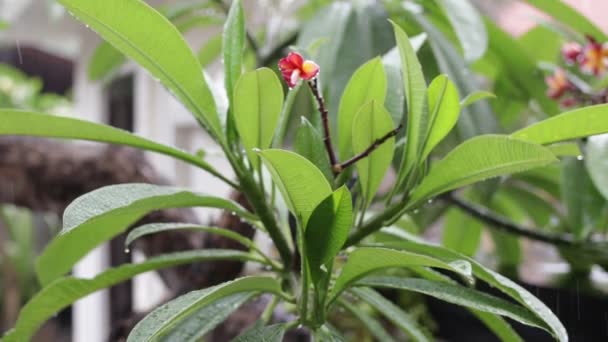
[377, 143]
[313, 84]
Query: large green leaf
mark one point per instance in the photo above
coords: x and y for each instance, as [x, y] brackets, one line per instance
[415, 92]
[65, 291]
[270, 333]
[153, 42]
[309, 143]
[233, 45]
[444, 107]
[458, 295]
[258, 100]
[104, 60]
[372, 123]
[468, 25]
[596, 160]
[414, 244]
[501, 328]
[15, 122]
[367, 83]
[574, 124]
[302, 185]
[567, 15]
[478, 159]
[106, 212]
[328, 229]
[210, 51]
[393, 313]
[164, 319]
[365, 260]
[461, 232]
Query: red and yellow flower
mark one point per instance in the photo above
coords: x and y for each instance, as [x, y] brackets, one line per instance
[294, 67]
[594, 57]
[558, 84]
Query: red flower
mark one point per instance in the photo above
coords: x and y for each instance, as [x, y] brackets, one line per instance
[594, 57]
[558, 84]
[294, 67]
[571, 52]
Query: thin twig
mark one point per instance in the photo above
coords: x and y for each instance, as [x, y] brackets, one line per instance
[325, 119]
[377, 143]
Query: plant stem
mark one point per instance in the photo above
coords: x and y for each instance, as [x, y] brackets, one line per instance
[333, 160]
[376, 223]
[269, 310]
[377, 143]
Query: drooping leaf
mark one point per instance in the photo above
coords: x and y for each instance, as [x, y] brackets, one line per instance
[162, 50]
[67, 290]
[106, 212]
[328, 229]
[210, 51]
[574, 124]
[501, 328]
[393, 313]
[371, 123]
[567, 15]
[302, 185]
[444, 108]
[258, 100]
[596, 161]
[309, 143]
[458, 295]
[468, 25]
[461, 232]
[367, 83]
[415, 91]
[15, 122]
[233, 45]
[475, 96]
[270, 333]
[365, 260]
[478, 159]
[164, 319]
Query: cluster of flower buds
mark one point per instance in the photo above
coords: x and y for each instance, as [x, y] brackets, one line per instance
[591, 59]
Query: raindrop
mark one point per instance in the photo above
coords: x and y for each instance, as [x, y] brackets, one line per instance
[579, 157]
[416, 211]
[19, 51]
[430, 201]
[127, 250]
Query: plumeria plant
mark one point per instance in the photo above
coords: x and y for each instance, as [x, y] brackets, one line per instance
[348, 240]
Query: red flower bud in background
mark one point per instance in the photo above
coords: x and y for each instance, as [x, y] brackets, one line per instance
[594, 57]
[571, 52]
[568, 102]
[294, 67]
[558, 84]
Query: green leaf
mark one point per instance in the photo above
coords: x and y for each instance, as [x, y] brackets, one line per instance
[475, 96]
[164, 319]
[458, 295]
[393, 313]
[596, 161]
[15, 122]
[258, 100]
[302, 185]
[210, 51]
[415, 91]
[233, 46]
[370, 323]
[414, 244]
[328, 229]
[367, 83]
[372, 123]
[365, 260]
[309, 143]
[105, 59]
[162, 50]
[569, 16]
[444, 107]
[567, 149]
[501, 328]
[270, 333]
[106, 212]
[65, 291]
[480, 158]
[461, 232]
[468, 25]
[566, 126]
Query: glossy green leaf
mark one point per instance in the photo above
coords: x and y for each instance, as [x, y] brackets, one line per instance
[468, 25]
[104, 213]
[567, 15]
[365, 260]
[302, 185]
[270, 333]
[393, 313]
[258, 100]
[161, 50]
[367, 83]
[104, 60]
[444, 107]
[210, 51]
[574, 124]
[309, 144]
[233, 45]
[501, 328]
[370, 323]
[567, 149]
[479, 159]
[414, 244]
[65, 291]
[164, 319]
[475, 96]
[415, 92]
[596, 161]
[15, 122]
[327, 230]
[458, 295]
[372, 123]
[461, 232]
